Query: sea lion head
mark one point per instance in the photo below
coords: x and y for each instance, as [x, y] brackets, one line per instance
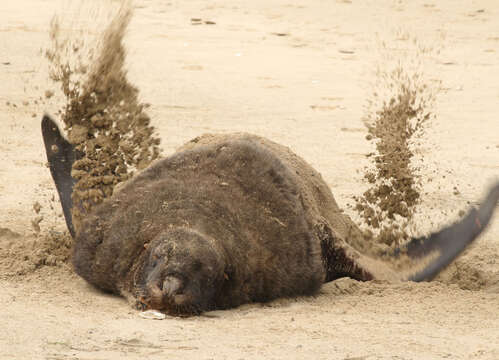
[182, 272]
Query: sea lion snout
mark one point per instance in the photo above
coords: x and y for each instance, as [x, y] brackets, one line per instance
[169, 293]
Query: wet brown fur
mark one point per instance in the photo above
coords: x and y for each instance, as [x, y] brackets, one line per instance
[237, 218]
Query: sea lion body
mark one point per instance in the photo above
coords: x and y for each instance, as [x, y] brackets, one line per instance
[231, 219]
[245, 214]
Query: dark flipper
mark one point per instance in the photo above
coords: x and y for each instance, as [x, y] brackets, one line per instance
[61, 155]
[451, 241]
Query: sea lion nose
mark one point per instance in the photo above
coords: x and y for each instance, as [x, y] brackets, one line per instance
[171, 285]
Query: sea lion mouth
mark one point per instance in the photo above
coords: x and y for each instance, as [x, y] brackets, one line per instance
[154, 300]
[167, 296]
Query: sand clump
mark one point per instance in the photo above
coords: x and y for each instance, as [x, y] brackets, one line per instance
[103, 115]
[399, 110]
[21, 255]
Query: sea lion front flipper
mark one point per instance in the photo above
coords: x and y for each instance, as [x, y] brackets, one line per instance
[61, 155]
[451, 241]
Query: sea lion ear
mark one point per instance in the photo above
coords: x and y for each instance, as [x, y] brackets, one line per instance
[60, 155]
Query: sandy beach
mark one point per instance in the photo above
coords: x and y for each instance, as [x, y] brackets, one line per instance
[300, 74]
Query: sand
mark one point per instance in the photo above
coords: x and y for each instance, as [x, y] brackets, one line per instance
[398, 112]
[295, 73]
[101, 112]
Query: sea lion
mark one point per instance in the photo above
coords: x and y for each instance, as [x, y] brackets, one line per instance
[227, 220]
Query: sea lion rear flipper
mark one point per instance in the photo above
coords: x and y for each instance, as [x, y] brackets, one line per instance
[451, 241]
[61, 155]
